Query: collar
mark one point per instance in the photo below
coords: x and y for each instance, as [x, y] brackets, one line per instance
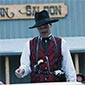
[49, 36]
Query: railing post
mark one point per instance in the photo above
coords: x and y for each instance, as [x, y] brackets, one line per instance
[77, 63]
[7, 72]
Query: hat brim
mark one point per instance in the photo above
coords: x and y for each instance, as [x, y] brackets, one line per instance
[43, 22]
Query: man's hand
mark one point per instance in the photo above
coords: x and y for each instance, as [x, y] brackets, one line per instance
[1, 83]
[19, 72]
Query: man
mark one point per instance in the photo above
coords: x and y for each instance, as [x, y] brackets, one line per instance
[1, 83]
[80, 77]
[46, 57]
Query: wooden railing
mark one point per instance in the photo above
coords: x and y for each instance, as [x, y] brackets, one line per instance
[52, 83]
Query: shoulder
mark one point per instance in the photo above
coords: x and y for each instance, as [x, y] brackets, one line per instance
[63, 40]
[57, 38]
[33, 40]
[30, 39]
[60, 39]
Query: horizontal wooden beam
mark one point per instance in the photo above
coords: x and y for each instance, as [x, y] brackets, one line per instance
[15, 46]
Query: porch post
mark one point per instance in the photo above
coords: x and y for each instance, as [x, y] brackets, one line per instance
[77, 63]
[7, 72]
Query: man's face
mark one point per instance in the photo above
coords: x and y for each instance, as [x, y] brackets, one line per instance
[79, 79]
[44, 30]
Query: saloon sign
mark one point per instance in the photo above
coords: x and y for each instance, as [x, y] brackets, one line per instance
[27, 11]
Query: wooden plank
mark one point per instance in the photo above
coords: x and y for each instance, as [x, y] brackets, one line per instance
[7, 75]
[77, 63]
[52, 83]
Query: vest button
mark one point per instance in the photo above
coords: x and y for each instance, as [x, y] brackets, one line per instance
[46, 41]
[45, 78]
[45, 68]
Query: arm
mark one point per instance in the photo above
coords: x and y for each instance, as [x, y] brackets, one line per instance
[24, 68]
[67, 63]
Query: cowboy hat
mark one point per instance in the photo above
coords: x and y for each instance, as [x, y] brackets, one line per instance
[42, 18]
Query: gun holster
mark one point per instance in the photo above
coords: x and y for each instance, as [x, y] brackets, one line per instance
[60, 75]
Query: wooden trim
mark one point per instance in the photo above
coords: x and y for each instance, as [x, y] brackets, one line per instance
[7, 72]
[77, 63]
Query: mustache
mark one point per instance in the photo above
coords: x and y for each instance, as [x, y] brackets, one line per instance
[43, 32]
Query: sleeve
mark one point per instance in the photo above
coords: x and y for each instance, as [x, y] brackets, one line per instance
[67, 63]
[25, 59]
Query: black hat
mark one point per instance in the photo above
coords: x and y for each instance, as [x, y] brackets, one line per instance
[42, 18]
